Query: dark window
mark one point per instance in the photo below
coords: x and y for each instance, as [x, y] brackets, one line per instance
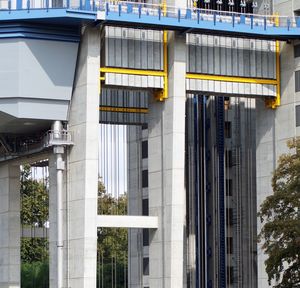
[298, 116]
[227, 129]
[145, 178]
[228, 187]
[297, 81]
[229, 245]
[297, 51]
[145, 149]
[146, 266]
[229, 275]
[144, 126]
[145, 237]
[228, 158]
[145, 208]
[229, 216]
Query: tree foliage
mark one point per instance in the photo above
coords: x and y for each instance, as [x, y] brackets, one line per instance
[34, 213]
[112, 242]
[280, 214]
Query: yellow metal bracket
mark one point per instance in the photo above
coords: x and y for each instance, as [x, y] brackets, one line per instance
[275, 102]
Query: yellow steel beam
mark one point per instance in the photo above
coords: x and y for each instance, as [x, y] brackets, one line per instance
[161, 95]
[231, 79]
[132, 71]
[274, 103]
[123, 109]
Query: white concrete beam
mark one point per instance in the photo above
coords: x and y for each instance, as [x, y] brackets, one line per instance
[116, 221]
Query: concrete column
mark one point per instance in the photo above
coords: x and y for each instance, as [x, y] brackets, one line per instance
[166, 174]
[83, 164]
[9, 226]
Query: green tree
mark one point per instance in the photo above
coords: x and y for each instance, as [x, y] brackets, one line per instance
[34, 213]
[112, 242]
[280, 216]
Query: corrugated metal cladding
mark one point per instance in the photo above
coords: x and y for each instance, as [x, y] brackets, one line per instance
[123, 106]
[136, 81]
[229, 56]
[133, 48]
[230, 88]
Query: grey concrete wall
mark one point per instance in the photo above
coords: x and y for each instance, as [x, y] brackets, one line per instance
[9, 226]
[36, 78]
[166, 175]
[83, 164]
[135, 247]
[274, 128]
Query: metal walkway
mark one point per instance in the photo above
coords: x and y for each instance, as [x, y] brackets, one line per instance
[145, 16]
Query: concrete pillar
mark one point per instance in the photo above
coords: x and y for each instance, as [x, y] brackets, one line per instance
[9, 226]
[166, 174]
[83, 164]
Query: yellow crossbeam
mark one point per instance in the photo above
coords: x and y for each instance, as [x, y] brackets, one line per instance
[132, 71]
[123, 109]
[231, 79]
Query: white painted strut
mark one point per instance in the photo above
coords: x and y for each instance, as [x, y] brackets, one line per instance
[60, 167]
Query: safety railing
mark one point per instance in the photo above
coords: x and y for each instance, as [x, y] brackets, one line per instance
[156, 10]
[57, 138]
[196, 14]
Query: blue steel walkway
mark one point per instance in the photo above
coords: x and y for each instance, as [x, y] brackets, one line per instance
[141, 15]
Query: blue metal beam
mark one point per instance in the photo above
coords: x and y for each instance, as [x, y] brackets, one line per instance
[141, 15]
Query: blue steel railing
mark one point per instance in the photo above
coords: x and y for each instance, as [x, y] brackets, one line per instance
[215, 16]
[156, 10]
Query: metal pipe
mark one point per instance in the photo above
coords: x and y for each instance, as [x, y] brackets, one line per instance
[60, 167]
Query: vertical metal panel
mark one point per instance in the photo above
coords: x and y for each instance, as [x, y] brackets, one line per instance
[228, 56]
[133, 48]
[246, 63]
[231, 56]
[240, 62]
[204, 48]
[223, 55]
[258, 58]
[252, 58]
[217, 68]
[235, 58]
[210, 49]
[265, 59]
[198, 61]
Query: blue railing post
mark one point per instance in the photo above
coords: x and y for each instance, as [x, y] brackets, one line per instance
[19, 4]
[265, 23]
[129, 8]
[119, 9]
[140, 10]
[298, 22]
[94, 5]
[47, 5]
[251, 21]
[159, 13]
[179, 15]
[198, 16]
[28, 5]
[106, 8]
[87, 5]
[80, 5]
[288, 24]
[215, 18]
[233, 20]
[243, 19]
[188, 13]
[68, 4]
[9, 5]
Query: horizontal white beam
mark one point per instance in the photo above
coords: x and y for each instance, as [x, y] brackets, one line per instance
[122, 221]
